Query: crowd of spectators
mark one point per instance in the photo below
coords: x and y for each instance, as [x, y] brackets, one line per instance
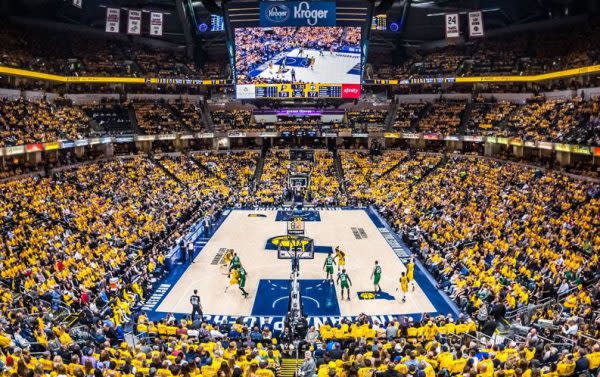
[489, 118]
[88, 243]
[33, 121]
[407, 115]
[156, 118]
[494, 234]
[78, 54]
[274, 178]
[573, 121]
[530, 53]
[366, 117]
[497, 236]
[226, 120]
[324, 186]
[443, 117]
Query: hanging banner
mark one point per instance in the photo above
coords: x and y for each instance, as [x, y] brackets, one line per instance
[113, 20]
[134, 23]
[452, 30]
[475, 24]
[156, 24]
[78, 3]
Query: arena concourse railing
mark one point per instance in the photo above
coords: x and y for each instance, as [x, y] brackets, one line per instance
[67, 144]
[438, 79]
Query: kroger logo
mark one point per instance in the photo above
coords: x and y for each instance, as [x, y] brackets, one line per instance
[312, 16]
[278, 13]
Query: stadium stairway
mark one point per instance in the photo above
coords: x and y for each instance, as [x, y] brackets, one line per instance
[206, 117]
[288, 367]
[464, 118]
[339, 171]
[391, 117]
[179, 117]
[203, 167]
[167, 171]
[395, 166]
[414, 124]
[133, 120]
[429, 171]
[258, 172]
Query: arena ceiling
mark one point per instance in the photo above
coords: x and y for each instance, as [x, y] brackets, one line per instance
[422, 20]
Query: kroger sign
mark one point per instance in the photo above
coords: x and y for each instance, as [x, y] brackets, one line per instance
[297, 13]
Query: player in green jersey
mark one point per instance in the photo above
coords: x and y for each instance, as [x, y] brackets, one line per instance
[376, 276]
[345, 283]
[242, 281]
[235, 262]
[328, 266]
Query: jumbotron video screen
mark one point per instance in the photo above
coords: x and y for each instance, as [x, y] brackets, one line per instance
[298, 55]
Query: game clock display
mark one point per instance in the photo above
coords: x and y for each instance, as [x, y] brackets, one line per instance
[304, 91]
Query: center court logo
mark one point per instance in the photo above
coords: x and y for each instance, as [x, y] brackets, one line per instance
[278, 13]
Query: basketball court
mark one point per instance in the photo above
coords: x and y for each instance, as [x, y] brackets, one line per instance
[255, 234]
[333, 68]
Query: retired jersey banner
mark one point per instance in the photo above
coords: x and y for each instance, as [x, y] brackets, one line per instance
[134, 23]
[156, 23]
[452, 29]
[113, 20]
[78, 3]
[475, 24]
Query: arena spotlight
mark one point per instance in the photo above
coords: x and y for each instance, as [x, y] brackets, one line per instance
[203, 27]
[394, 27]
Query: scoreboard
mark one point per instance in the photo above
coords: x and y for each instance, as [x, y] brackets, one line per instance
[286, 91]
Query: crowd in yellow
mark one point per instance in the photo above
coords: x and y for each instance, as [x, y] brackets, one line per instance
[33, 121]
[490, 232]
[89, 239]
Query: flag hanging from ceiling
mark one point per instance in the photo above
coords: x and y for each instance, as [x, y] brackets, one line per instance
[156, 23]
[134, 23]
[113, 20]
[452, 29]
[475, 24]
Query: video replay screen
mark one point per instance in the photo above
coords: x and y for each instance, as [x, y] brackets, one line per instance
[304, 54]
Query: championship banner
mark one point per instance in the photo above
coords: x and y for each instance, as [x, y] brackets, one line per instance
[134, 23]
[298, 13]
[452, 29]
[113, 20]
[78, 3]
[475, 24]
[156, 24]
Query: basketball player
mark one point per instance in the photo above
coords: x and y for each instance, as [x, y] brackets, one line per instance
[235, 278]
[376, 276]
[403, 286]
[328, 267]
[235, 262]
[340, 256]
[346, 283]
[410, 273]
[242, 281]
[228, 256]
